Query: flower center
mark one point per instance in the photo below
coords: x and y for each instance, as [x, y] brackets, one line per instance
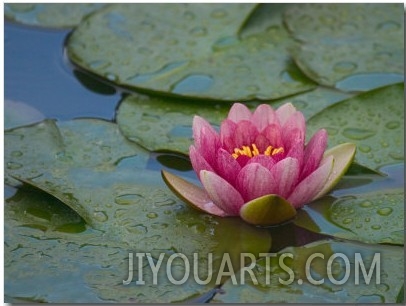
[253, 151]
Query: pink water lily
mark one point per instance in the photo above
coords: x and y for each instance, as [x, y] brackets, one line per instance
[258, 166]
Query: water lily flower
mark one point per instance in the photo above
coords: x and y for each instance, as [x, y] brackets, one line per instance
[259, 167]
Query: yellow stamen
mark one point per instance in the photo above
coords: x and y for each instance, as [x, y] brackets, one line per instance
[251, 152]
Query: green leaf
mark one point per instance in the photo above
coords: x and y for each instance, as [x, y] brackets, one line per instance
[50, 15]
[374, 121]
[268, 210]
[299, 289]
[361, 50]
[166, 124]
[373, 217]
[103, 178]
[49, 146]
[189, 50]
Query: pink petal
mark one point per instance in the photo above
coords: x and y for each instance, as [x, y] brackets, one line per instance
[294, 130]
[297, 152]
[286, 174]
[191, 194]
[225, 196]
[284, 112]
[255, 181]
[307, 189]
[227, 132]
[239, 112]
[245, 134]
[227, 166]
[313, 152]
[265, 161]
[198, 161]
[263, 116]
[207, 141]
[274, 135]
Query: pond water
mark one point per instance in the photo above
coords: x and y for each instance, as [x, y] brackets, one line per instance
[38, 74]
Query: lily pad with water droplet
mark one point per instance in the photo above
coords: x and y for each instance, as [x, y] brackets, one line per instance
[77, 143]
[298, 287]
[128, 209]
[373, 217]
[187, 50]
[166, 124]
[50, 15]
[361, 50]
[374, 121]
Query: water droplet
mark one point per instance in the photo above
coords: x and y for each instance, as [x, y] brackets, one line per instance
[194, 83]
[345, 67]
[358, 133]
[14, 166]
[384, 144]
[385, 211]
[225, 42]
[376, 227]
[392, 125]
[397, 155]
[364, 148]
[99, 64]
[365, 204]
[384, 55]
[128, 199]
[133, 227]
[388, 26]
[100, 216]
[347, 221]
[219, 13]
[152, 215]
[144, 77]
[159, 226]
[367, 219]
[16, 153]
[382, 287]
[165, 202]
[374, 298]
[198, 31]
[111, 77]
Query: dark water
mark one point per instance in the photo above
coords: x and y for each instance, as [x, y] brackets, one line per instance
[37, 73]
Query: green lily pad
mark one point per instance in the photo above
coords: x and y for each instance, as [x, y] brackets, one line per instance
[361, 50]
[374, 121]
[189, 50]
[50, 15]
[166, 124]
[373, 217]
[77, 143]
[128, 209]
[18, 113]
[298, 287]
